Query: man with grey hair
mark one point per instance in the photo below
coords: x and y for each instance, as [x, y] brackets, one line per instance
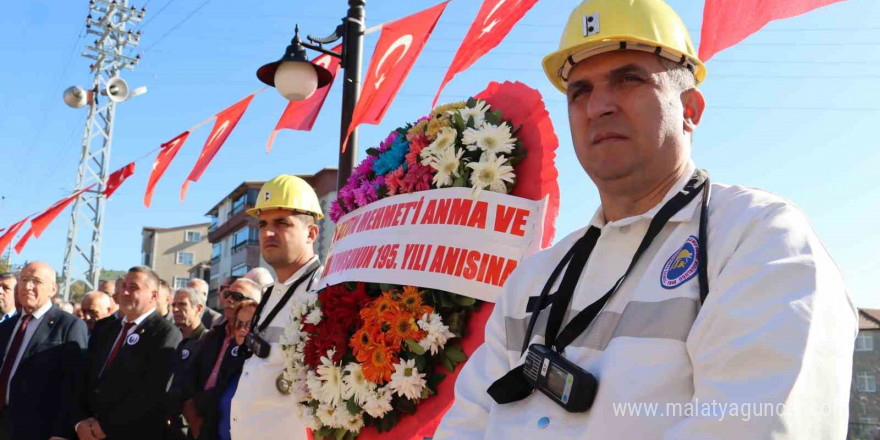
[187, 307]
[210, 317]
[7, 295]
[206, 367]
[96, 305]
[261, 276]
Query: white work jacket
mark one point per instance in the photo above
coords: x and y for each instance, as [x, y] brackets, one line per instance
[259, 410]
[777, 330]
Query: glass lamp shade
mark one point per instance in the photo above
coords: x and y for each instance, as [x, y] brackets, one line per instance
[296, 80]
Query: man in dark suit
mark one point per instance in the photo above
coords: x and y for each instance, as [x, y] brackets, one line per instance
[43, 348]
[129, 363]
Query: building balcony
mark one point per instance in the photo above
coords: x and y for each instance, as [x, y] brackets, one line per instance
[231, 225]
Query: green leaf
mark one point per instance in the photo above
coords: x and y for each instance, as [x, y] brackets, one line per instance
[464, 301]
[421, 363]
[373, 152]
[471, 102]
[460, 124]
[340, 433]
[448, 364]
[414, 347]
[385, 287]
[455, 354]
[323, 433]
[353, 408]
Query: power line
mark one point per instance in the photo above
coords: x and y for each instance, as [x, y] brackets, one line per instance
[191, 14]
[153, 17]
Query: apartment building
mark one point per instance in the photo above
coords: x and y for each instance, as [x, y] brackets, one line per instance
[864, 404]
[174, 252]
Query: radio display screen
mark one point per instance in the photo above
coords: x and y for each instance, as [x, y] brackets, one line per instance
[556, 379]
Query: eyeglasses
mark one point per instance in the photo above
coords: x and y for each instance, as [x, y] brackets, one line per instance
[236, 296]
[245, 325]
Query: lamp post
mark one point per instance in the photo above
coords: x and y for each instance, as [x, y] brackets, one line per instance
[296, 78]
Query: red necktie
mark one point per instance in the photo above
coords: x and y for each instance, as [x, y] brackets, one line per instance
[125, 328]
[10, 359]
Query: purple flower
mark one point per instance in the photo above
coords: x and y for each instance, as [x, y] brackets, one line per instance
[336, 211]
[388, 141]
[346, 198]
[365, 194]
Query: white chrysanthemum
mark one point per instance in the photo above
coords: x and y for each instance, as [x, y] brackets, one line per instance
[354, 423]
[406, 380]
[444, 141]
[331, 380]
[309, 417]
[314, 384]
[437, 332]
[494, 139]
[379, 403]
[328, 415]
[490, 172]
[478, 112]
[446, 164]
[314, 317]
[355, 384]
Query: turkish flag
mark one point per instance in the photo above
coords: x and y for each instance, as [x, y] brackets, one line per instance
[494, 21]
[301, 115]
[166, 155]
[398, 48]
[117, 178]
[41, 222]
[7, 237]
[23, 241]
[223, 126]
[727, 22]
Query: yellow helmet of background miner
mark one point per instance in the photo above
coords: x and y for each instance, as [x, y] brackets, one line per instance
[288, 192]
[599, 26]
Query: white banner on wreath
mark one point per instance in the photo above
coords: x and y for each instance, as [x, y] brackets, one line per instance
[439, 239]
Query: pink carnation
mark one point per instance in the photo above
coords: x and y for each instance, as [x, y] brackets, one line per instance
[394, 180]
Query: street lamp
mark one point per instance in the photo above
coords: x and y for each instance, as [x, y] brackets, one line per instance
[296, 78]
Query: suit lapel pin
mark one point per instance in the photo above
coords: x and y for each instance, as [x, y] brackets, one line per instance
[234, 351]
[133, 339]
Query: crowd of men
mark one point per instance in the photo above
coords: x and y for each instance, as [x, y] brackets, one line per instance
[133, 359]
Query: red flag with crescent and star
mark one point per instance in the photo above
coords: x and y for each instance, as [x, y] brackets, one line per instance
[494, 21]
[166, 155]
[301, 115]
[117, 178]
[223, 126]
[727, 22]
[396, 51]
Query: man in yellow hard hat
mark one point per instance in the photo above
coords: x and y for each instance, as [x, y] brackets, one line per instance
[262, 408]
[683, 309]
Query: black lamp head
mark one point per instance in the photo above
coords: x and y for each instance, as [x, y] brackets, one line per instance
[295, 52]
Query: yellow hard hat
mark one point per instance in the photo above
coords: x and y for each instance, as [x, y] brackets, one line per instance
[288, 192]
[599, 26]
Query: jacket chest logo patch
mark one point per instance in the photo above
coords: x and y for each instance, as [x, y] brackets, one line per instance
[682, 265]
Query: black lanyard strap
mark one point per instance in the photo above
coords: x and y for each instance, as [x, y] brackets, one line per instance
[255, 323]
[581, 253]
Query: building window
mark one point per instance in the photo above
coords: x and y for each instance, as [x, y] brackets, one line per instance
[213, 223]
[238, 204]
[147, 260]
[244, 236]
[865, 342]
[185, 258]
[180, 283]
[240, 270]
[215, 251]
[193, 236]
[866, 383]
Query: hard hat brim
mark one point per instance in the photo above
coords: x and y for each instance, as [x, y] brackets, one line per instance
[554, 63]
[255, 212]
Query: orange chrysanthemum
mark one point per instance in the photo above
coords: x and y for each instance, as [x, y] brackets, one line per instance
[380, 310]
[362, 343]
[411, 301]
[379, 365]
[402, 326]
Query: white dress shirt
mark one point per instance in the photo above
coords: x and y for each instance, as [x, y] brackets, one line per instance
[28, 334]
[259, 410]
